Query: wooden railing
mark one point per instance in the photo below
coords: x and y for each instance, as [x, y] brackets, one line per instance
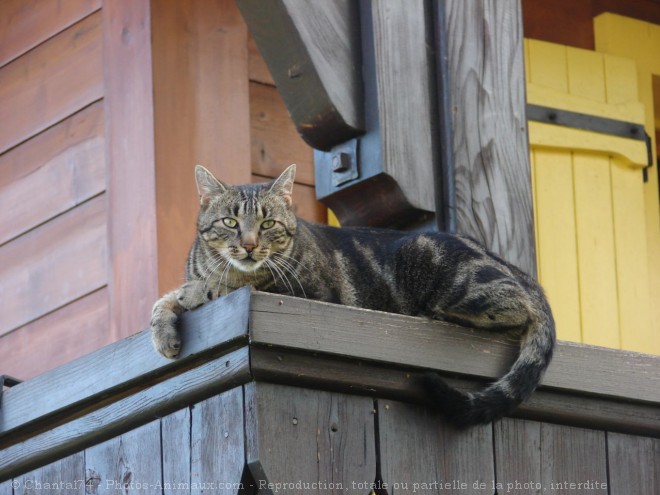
[273, 356]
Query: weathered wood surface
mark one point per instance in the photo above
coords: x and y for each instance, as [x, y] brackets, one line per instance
[217, 444]
[125, 362]
[50, 266]
[176, 439]
[320, 327]
[336, 373]
[403, 64]
[160, 399]
[52, 82]
[308, 436]
[129, 115]
[419, 453]
[6, 488]
[572, 455]
[275, 141]
[201, 115]
[633, 464]
[25, 24]
[517, 443]
[130, 463]
[66, 475]
[51, 173]
[493, 188]
[313, 52]
[28, 351]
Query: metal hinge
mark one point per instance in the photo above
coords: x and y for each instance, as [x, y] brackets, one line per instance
[593, 123]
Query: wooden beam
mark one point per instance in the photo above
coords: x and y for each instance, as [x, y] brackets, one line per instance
[491, 153]
[313, 52]
[89, 382]
[130, 161]
[313, 326]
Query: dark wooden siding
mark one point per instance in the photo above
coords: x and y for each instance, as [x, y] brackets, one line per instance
[349, 444]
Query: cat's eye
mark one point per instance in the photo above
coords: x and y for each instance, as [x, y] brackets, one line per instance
[267, 224]
[230, 222]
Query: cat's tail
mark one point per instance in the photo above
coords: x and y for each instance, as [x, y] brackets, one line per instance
[503, 396]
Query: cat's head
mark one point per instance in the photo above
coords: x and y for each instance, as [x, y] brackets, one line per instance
[246, 224]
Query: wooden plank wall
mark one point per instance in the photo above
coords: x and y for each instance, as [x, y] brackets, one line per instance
[286, 436]
[53, 218]
[88, 237]
[275, 143]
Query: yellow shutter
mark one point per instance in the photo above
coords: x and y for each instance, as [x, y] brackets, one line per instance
[589, 198]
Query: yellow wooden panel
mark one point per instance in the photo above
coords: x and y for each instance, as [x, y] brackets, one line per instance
[631, 260]
[586, 74]
[629, 37]
[640, 41]
[556, 246]
[556, 136]
[547, 65]
[621, 80]
[595, 248]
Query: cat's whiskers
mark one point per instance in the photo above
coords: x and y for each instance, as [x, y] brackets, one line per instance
[282, 275]
[285, 265]
[216, 264]
[298, 262]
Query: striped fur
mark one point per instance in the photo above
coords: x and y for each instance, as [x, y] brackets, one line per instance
[248, 235]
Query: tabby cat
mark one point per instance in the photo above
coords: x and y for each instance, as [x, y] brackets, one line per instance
[249, 235]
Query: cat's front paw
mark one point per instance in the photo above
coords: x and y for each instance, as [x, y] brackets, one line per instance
[165, 338]
[193, 294]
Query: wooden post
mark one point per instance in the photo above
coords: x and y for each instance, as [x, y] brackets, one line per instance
[129, 123]
[491, 152]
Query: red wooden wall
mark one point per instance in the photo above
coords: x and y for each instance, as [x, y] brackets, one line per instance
[105, 108]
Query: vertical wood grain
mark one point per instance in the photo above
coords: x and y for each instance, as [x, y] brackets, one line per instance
[66, 475]
[634, 463]
[217, 443]
[52, 172]
[595, 249]
[296, 434]
[72, 331]
[403, 60]
[130, 463]
[558, 263]
[6, 488]
[175, 438]
[130, 163]
[572, 455]
[202, 115]
[26, 23]
[51, 82]
[518, 455]
[416, 447]
[494, 200]
[630, 228]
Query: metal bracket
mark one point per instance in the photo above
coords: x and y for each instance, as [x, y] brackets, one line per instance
[342, 160]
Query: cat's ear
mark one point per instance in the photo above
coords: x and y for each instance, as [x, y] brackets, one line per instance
[283, 185]
[207, 185]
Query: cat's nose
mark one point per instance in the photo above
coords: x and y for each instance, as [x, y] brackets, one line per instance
[249, 247]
